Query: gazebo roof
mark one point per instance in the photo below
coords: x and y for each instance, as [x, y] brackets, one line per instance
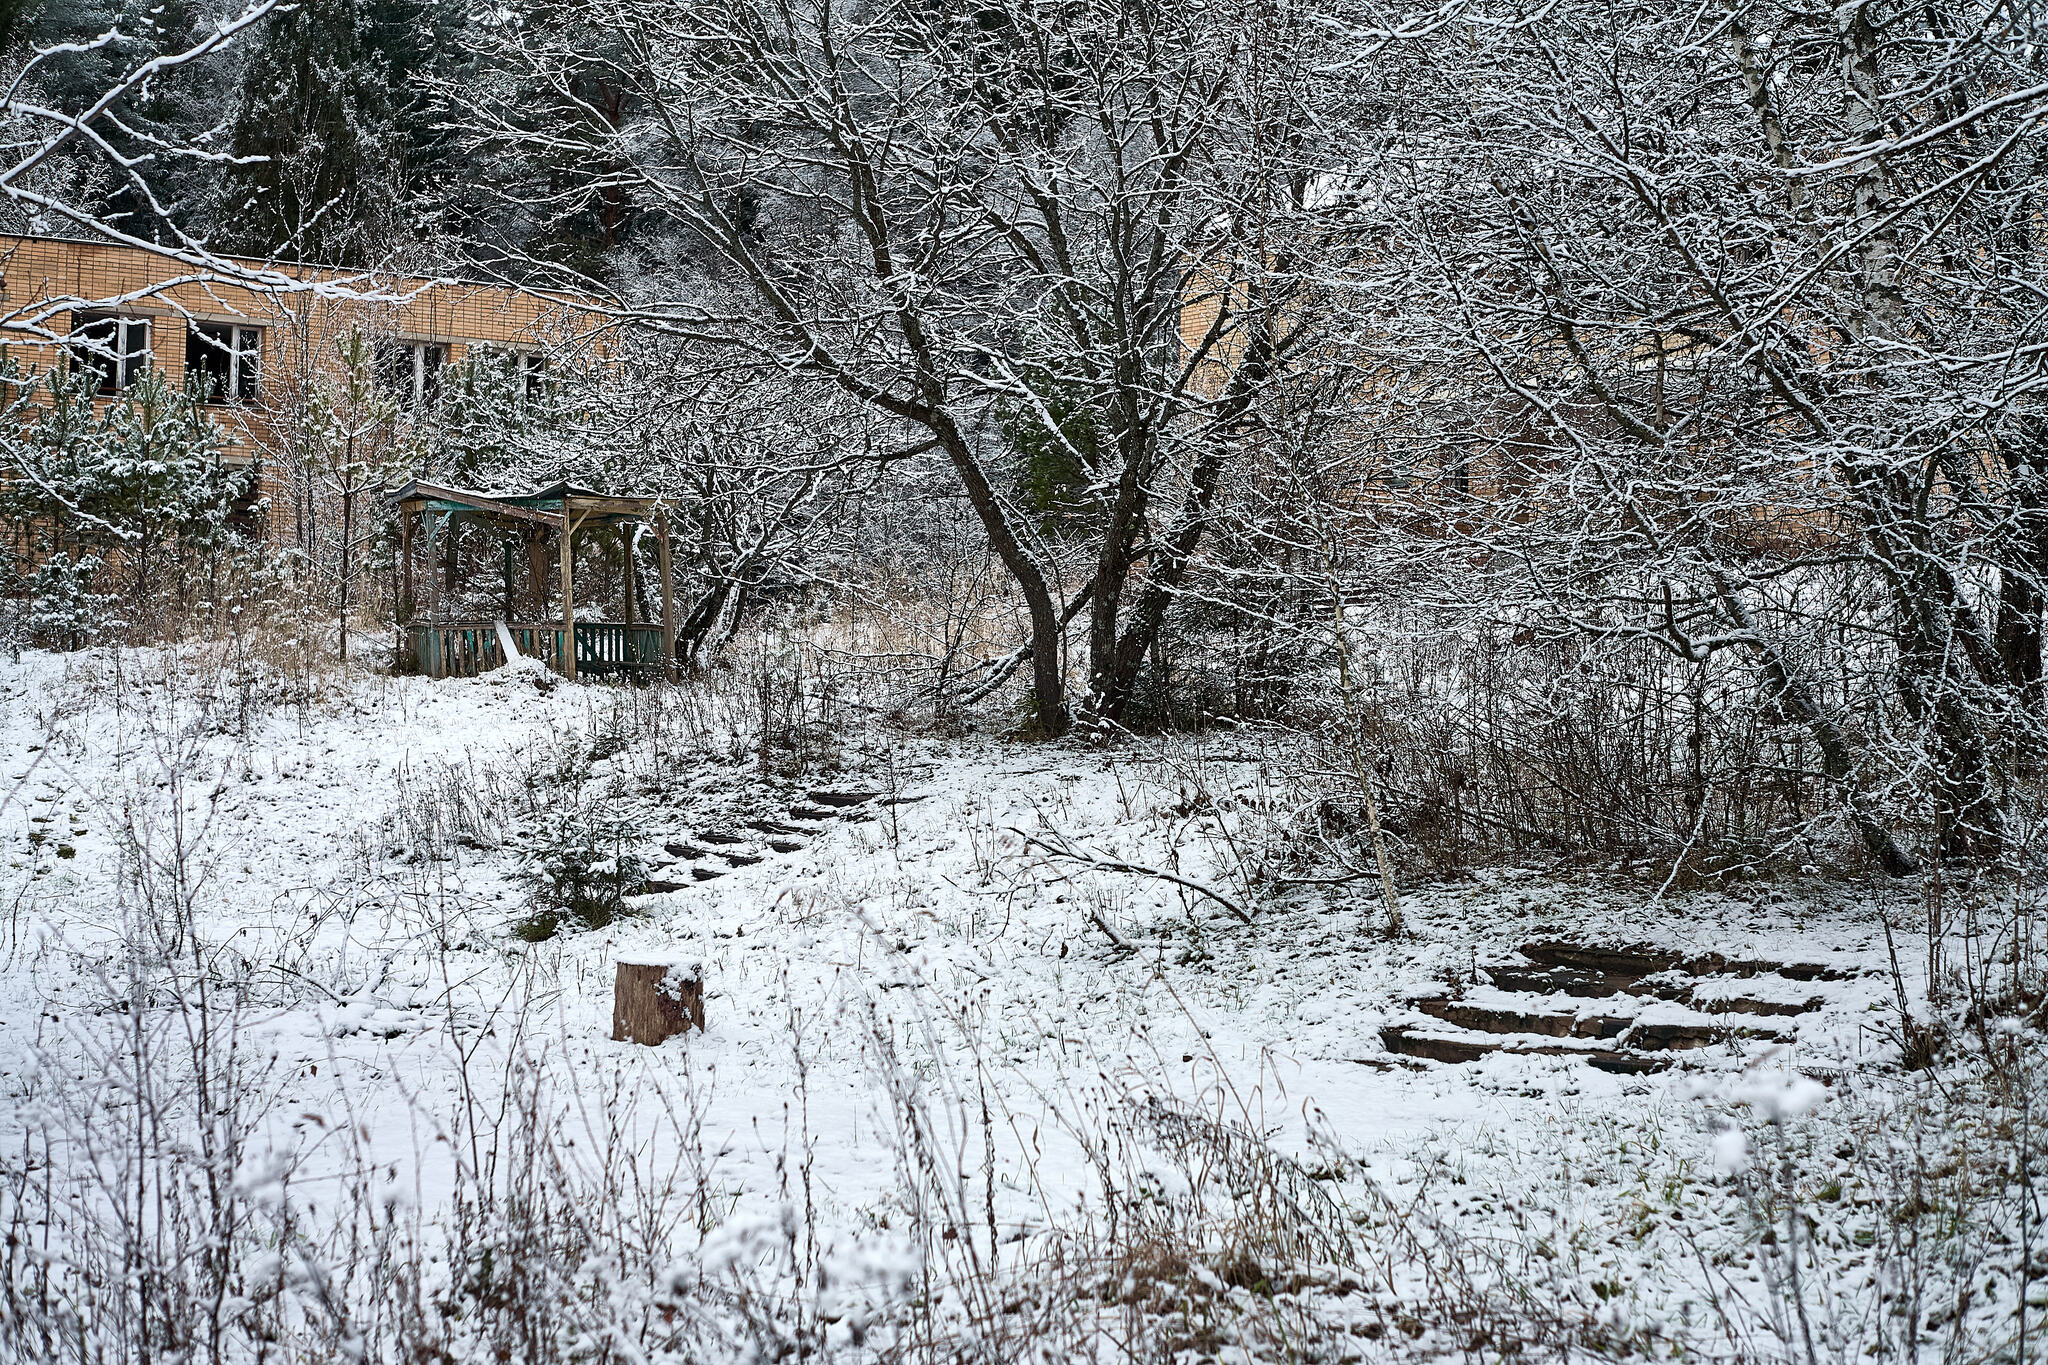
[548, 505]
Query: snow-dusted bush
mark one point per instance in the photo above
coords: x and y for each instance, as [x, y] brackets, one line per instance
[583, 866]
[64, 612]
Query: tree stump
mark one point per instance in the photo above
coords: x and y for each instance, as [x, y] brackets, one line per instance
[655, 1000]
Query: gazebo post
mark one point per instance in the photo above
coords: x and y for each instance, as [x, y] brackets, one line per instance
[537, 572]
[432, 574]
[436, 609]
[568, 661]
[405, 608]
[668, 610]
[628, 536]
[450, 562]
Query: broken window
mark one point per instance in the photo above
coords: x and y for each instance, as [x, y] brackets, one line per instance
[115, 348]
[411, 370]
[224, 360]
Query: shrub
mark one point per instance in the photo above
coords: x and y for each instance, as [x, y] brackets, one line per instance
[584, 867]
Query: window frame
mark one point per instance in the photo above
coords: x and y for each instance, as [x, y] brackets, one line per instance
[121, 366]
[415, 383]
[244, 349]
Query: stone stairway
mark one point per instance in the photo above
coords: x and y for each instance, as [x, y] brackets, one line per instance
[740, 846]
[1627, 1010]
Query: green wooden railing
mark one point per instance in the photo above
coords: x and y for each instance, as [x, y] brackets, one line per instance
[463, 649]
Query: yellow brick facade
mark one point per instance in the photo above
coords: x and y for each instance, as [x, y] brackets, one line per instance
[45, 282]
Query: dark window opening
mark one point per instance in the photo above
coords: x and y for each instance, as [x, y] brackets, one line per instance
[114, 348]
[224, 361]
[410, 371]
[393, 366]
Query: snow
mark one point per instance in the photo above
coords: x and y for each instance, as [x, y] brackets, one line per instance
[1782, 1096]
[1730, 1151]
[921, 945]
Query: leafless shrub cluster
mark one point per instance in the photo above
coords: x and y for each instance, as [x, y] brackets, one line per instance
[156, 1203]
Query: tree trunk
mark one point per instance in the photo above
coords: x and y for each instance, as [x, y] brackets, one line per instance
[1169, 570]
[654, 1001]
[696, 626]
[348, 522]
[1798, 703]
[668, 590]
[1048, 679]
[1112, 571]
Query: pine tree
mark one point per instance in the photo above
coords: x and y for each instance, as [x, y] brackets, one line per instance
[119, 503]
[319, 106]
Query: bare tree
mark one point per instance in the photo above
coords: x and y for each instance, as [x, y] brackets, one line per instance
[1027, 227]
[351, 441]
[1721, 330]
[35, 137]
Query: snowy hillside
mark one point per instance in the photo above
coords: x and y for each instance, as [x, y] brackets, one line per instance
[955, 1087]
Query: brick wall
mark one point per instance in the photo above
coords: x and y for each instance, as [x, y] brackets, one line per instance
[43, 281]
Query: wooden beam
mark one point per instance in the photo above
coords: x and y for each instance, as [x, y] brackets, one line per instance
[600, 505]
[489, 512]
[403, 610]
[420, 494]
[426, 496]
[568, 662]
[668, 608]
[627, 536]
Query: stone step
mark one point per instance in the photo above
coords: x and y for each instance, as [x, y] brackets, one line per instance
[1674, 1036]
[1597, 971]
[1657, 1026]
[1744, 1004]
[1491, 1019]
[1623, 967]
[1518, 976]
[1455, 1045]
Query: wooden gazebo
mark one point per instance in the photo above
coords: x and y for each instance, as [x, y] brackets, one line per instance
[434, 641]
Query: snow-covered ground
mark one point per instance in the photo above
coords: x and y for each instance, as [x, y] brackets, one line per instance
[928, 1013]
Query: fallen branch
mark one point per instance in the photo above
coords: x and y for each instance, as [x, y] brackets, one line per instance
[1121, 944]
[1089, 858]
[1009, 663]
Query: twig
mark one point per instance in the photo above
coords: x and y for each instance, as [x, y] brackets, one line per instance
[1088, 858]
